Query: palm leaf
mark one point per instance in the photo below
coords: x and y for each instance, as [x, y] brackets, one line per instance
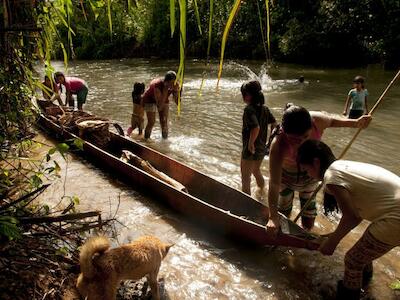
[83, 10]
[196, 12]
[172, 16]
[182, 49]
[210, 28]
[262, 30]
[268, 28]
[228, 26]
[109, 17]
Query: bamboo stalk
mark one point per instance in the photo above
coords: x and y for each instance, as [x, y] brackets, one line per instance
[377, 103]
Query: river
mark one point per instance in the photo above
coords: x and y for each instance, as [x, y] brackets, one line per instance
[207, 136]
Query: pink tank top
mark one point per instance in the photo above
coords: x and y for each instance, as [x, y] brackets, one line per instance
[290, 158]
[74, 84]
[148, 96]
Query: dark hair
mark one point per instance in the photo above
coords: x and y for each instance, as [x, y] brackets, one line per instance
[138, 88]
[253, 88]
[296, 119]
[170, 75]
[306, 154]
[57, 74]
[359, 79]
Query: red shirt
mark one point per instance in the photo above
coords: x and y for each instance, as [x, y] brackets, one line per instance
[74, 84]
[149, 97]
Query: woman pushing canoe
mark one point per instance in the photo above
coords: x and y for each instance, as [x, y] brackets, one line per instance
[298, 125]
[362, 192]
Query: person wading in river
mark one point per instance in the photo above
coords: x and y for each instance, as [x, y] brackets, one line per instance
[156, 97]
[298, 125]
[357, 99]
[362, 192]
[256, 118]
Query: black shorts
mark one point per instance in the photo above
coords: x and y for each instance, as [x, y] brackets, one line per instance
[355, 114]
[246, 155]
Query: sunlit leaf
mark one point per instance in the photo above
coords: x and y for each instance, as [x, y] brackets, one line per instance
[65, 55]
[75, 200]
[262, 30]
[210, 28]
[268, 28]
[79, 143]
[83, 10]
[395, 285]
[182, 49]
[196, 11]
[109, 17]
[228, 26]
[172, 16]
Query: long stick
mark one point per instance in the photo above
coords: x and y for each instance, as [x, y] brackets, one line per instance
[349, 144]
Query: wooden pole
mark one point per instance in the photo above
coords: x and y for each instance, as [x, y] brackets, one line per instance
[349, 144]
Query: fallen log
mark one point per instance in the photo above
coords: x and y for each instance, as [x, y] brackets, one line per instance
[52, 219]
[144, 165]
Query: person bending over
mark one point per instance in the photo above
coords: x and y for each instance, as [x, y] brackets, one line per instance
[73, 86]
[156, 98]
[298, 125]
[362, 192]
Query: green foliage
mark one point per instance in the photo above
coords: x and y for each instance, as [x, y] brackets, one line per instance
[303, 31]
[395, 285]
[9, 228]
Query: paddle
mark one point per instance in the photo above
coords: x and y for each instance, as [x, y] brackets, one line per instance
[349, 144]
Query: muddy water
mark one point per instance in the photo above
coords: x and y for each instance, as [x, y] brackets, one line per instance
[206, 136]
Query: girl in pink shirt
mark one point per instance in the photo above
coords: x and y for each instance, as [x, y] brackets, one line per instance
[73, 86]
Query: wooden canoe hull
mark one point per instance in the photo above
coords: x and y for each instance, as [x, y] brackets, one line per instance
[210, 202]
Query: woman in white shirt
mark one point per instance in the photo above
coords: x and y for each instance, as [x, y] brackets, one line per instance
[362, 192]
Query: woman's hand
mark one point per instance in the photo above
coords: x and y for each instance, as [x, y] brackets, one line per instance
[344, 113]
[328, 246]
[251, 148]
[273, 226]
[363, 121]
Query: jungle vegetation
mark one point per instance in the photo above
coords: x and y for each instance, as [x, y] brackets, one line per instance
[319, 32]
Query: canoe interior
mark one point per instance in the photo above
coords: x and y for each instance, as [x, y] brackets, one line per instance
[198, 184]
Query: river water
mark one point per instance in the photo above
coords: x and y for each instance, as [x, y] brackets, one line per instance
[207, 136]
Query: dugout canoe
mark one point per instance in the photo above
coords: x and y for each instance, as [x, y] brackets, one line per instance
[220, 207]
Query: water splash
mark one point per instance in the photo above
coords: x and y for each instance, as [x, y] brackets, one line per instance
[234, 70]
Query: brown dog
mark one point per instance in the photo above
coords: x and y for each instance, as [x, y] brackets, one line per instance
[103, 268]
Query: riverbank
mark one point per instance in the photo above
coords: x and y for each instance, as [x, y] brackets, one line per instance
[41, 261]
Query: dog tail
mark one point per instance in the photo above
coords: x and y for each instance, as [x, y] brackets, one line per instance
[94, 246]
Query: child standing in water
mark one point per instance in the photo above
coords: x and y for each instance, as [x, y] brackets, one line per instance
[256, 118]
[362, 192]
[137, 118]
[357, 98]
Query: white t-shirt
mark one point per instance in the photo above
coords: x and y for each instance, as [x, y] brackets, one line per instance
[375, 195]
